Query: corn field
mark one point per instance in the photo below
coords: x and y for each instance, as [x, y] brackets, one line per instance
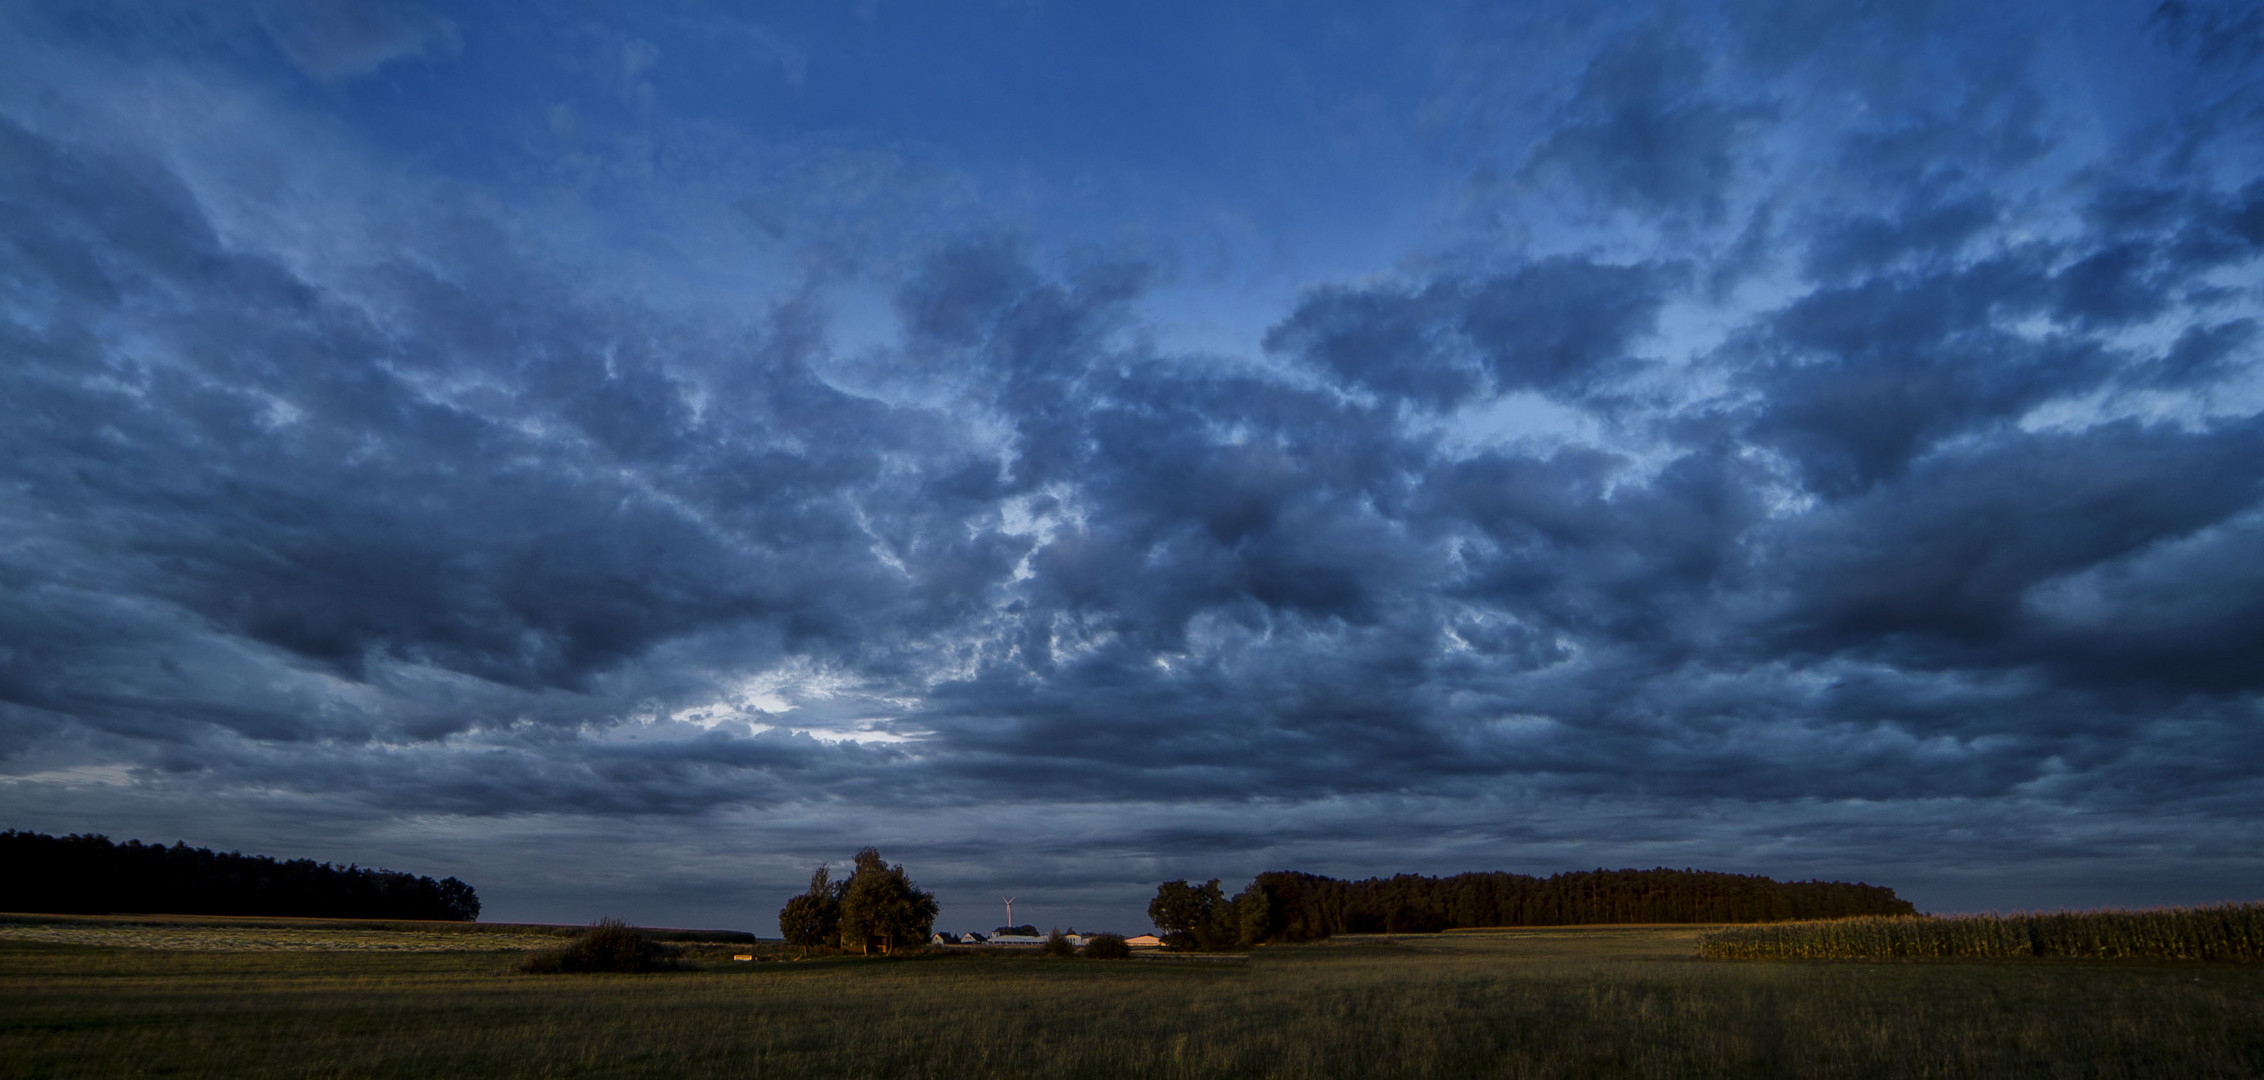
[2220, 932]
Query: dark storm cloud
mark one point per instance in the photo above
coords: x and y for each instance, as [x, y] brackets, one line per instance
[1921, 232]
[1558, 325]
[330, 42]
[335, 39]
[1382, 339]
[2204, 354]
[274, 465]
[2223, 33]
[1855, 381]
[1644, 131]
[1577, 548]
[1942, 565]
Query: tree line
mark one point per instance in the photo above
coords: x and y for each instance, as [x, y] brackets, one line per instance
[89, 875]
[1291, 906]
[876, 907]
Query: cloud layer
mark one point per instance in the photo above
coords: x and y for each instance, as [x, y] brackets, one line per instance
[1799, 444]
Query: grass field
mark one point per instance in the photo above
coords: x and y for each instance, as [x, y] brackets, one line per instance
[1584, 1002]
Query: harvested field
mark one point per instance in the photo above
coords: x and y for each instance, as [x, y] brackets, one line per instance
[1544, 1002]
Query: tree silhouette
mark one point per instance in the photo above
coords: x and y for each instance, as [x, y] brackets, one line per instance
[1288, 906]
[91, 875]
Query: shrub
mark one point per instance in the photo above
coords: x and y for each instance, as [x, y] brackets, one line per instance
[1058, 944]
[1107, 947]
[608, 945]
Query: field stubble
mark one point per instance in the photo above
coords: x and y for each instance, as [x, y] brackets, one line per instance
[1588, 1002]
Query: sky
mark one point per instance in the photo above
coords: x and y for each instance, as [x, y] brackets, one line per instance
[626, 455]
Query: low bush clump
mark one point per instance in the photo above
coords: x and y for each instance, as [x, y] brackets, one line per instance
[1107, 947]
[608, 945]
[1058, 944]
[2223, 932]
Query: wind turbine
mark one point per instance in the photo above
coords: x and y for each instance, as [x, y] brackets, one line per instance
[1009, 911]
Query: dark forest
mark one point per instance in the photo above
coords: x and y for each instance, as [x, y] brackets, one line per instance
[1291, 906]
[89, 875]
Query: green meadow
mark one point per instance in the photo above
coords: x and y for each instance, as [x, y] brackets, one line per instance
[1620, 1001]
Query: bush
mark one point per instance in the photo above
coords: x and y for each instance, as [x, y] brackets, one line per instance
[608, 945]
[1058, 944]
[1107, 947]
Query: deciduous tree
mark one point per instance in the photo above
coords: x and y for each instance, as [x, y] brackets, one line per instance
[1197, 917]
[814, 918]
[883, 907]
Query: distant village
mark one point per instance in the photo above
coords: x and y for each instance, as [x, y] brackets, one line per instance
[1028, 935]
